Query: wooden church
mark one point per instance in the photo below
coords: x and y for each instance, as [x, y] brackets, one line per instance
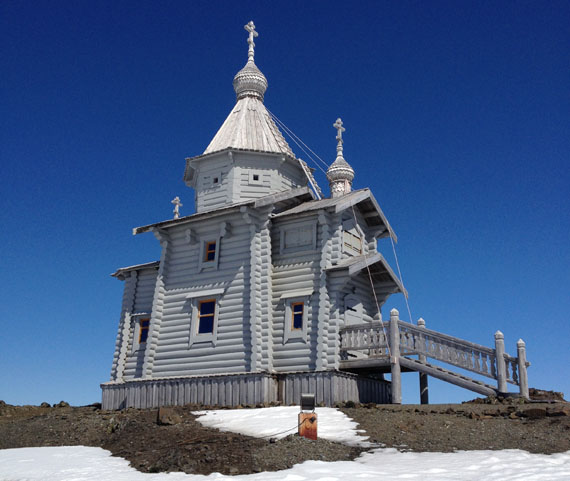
[270, 290]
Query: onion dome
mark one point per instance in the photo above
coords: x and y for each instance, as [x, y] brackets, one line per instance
[340, 173]
[249, 81]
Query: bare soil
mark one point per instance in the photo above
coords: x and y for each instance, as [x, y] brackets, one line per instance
[173, 440]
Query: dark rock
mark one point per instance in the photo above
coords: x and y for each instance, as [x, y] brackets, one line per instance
[45, 405]
[533, 413]
[167, 417]
[560, 410]
[61, 404]
[542, 395]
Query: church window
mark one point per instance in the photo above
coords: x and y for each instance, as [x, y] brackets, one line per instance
[206, 315]
[144, 325]
[296, 304]
[297, 309]
[210, 251]
[204, 309]
[255, 178]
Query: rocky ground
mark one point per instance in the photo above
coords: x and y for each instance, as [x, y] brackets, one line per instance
[172, 440]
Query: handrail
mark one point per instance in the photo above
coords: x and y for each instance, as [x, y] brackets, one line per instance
[417, 340]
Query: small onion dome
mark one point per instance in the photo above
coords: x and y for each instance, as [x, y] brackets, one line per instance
[340, 169]
[250, 82]
[340, 173]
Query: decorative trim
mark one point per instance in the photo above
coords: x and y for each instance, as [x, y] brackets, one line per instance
[206, 293]
[297, 293]
[309, 244]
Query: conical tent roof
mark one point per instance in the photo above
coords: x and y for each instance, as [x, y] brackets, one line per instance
[249, 125]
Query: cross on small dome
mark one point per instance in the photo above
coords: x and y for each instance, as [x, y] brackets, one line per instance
[340, 173]
[177, 205]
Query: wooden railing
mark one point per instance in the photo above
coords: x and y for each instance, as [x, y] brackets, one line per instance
[398, 338]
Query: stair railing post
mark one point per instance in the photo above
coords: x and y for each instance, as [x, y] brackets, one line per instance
[424, 392]
[523, 377]
[395, 357]
[500, 360]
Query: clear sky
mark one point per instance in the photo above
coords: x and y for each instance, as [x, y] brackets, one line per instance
[456, 117]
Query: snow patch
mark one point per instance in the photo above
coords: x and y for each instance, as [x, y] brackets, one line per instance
[280, 422]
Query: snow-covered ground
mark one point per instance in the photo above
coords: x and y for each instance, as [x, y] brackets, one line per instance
[279, 422]
[79, 463]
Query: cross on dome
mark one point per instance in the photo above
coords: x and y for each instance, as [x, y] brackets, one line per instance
[177, 205]
[250, 27]
[339, 130]
[249, 81]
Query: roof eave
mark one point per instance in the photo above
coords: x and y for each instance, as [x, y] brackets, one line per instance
[120, 273]
[364, 195]
[364, 262]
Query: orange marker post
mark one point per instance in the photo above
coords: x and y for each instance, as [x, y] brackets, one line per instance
[308, 425]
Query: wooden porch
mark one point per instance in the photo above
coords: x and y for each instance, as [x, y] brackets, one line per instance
[396, 346]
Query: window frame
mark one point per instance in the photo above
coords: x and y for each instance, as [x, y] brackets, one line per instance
[195, 336]
[252, 174]
[205, 241]
[135, 320]
[143, 328]
[289, 331]
[294, 312]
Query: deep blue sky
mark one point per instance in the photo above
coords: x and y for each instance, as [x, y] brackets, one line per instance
[456, 117]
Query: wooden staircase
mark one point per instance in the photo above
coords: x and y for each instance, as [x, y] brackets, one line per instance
[397, 346]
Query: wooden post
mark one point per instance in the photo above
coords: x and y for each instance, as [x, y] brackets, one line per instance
[424, 392]
[395, 357]
[523, 377]
[500, 360]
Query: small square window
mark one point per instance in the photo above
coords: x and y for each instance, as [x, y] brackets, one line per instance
[216, 180]
[297, 309]
[206, 314]
[256, 177]
[144, 324]
[210, 251]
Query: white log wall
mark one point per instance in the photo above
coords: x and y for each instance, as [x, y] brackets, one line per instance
[231, 353]
[137, 298]
[293, 272]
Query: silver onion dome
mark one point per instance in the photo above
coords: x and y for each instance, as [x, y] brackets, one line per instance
[249, 81]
